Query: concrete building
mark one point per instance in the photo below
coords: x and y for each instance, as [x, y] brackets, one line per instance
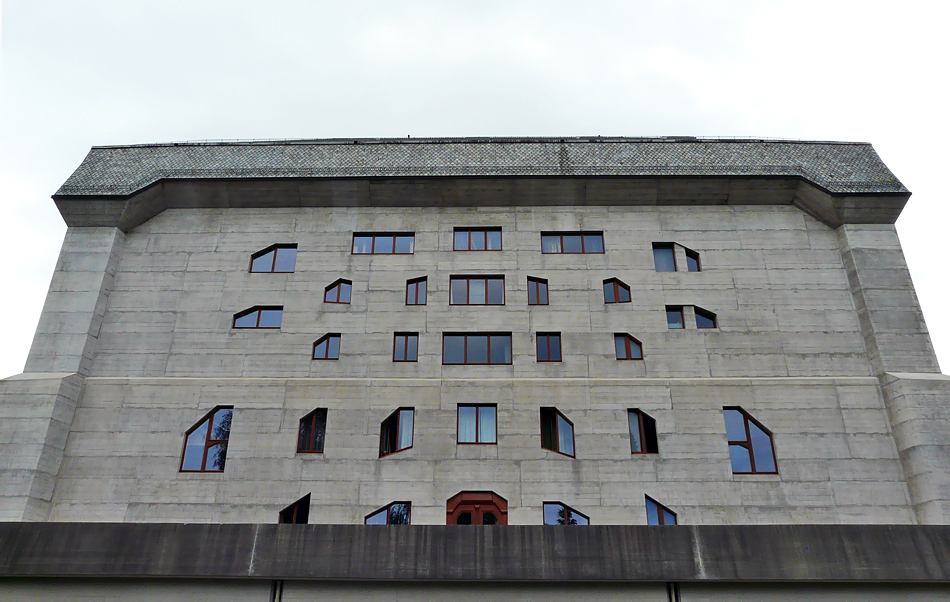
[611, 332]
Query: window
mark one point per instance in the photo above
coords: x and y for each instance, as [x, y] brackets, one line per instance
[395, 433]
[705, 319]
[478, 239]
[628, 348]
[476, 508]
[692, 261]
[674, 317]
[297, 513]
[327, 347]
[750, 444]
[476, 348]
[556, 513]
[658, 514]
[557, 432]
[383, 244]
[338, 292]
[616, 291]
[663, 257]
[642, 433]
[537, 291]
[396, 513]
[275, 258]
[405, 347]
[572, 242]
[477, 423]
[549, 347]
[313, 430]
[206, 443]
[416, 291]
[259, 316]
[477, 290]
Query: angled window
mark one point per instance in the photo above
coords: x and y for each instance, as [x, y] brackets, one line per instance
[313, 431]
[549, 346]
[674, 316]
[396, 513]
[259, 316]
[627, 347]
[616, 291]
[750, 444]
[642, 433]
[477, 423]
[557, 432]
[338, 292]
[692, 261]
[556, 513]
[327, 347]
[658, 514]
[494, 348]
[477, 290]
[406, 347]
[477, 239]
[476, 508]
[384, 243]
[206, 443]
[663, 257]
[395, 433]
[275, 258]
[297, 513]
[572, 242]
[416, 291]
[537, 291]
[705, 319]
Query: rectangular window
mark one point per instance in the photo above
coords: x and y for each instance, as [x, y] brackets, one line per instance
[406, 347]
[395, 433]
[275, 259]
[313, 431]
[663, 257]
[297, 513]
[476, 348]
[705, 319]
[557, 432]
[537, 291]
[416, 291]
[477, 423]
[556, 513]
[692, 261]
[477, 290]
[396, 513]
[259, 317]
[477, 239]
[674, 316]
[642, 433]
[383, 244]
[658, 514]
[549, 347]
[572, 242]
[327, 347]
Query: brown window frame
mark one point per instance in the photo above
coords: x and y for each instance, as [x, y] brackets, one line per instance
[327, 337]
[337, 286]
[644, 427]
[395, 417]
[557, 431]
[297, 513]
[465, 348]
[568, 511]
[617, 286]
[628, 348]
[405, 346]
[312, 444]
[273, 266]
[388, 509]
[468, 287]
[675, 308]
[478, 410]
[583, 250]
[660, 509]
[537, 284]
[425, 290]
[378, 235]
[747, 444]
[694, 255]
[209, 442]
[484, 232]
[476, 503]
[258, 309]
[548, 336]
[672, 248]
[705, 313]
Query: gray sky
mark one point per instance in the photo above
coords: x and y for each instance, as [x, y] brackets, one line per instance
[80, 73]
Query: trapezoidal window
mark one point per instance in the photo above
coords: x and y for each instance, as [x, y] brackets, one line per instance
[750, 444]
[406, 347]
[338, 292]
[312, 433]
[476, 508]
[537, 291]
[664, 257]
[705, 319]
[642, 433]
[616, 291]
[396, 513]
[384, 243]
[556, 513]
[477, 239]
[259, 316]
[572, 242]
[674, 317]
[206, 443]
[549, 346]
[395, 433]
[297, 513]
[275, 258]
[479, 349]
[416, 291]
[557, 432]
[477, 290]
[477, 423]
[658, 514]
[692, 261]
[627, 347]
[327, 347]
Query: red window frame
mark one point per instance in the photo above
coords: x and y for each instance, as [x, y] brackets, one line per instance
[538, 286]
[583, 251]
[478, 423]
[660, 512]
[297, 513]
[332, 293]
[672, 248]
[642, 418]
[412, 291]
[617, 286]
[545, 340]
[628, 341]
[257, 309]
[376, 236]
[557, 432]
[674, 309]
[465, 348]
[747, 444]
[694, 255]
[392, 424]
[209, 442]
[468, 287]
[568, 511]
[484, 234]
[326, 338]
[476, 503]
[309, 447]
[273, 266]
[405, 346]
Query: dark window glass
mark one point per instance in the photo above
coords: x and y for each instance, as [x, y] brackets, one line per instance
[383, 244]
[477, 424]
[477, 290]
[405, 347]
[258, 317]
[313, 429]
[705, 319]
[750, 444]
[275, 258]
[476, 349]
[489, 518]
[297, 513]
[327, 347]
[338, 292]
[464, 518]
[674, 317]
[395, 432]
[397, 513]
[642, 433]
[206, 443]
[453, 349]
[477, 239]
[627, 347]
[616, 291]
[416, 291]
[663, 257]
[549, 347]
[692, 261]
[556, 513]
[557, 432]
[658, 514]
[537, 291]
[572, 242]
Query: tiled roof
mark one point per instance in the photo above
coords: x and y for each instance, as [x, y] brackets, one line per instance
[839, 167]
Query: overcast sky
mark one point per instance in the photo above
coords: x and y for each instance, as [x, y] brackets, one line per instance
[80, 73]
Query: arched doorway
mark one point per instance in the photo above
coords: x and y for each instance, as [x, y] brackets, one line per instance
[476, 508]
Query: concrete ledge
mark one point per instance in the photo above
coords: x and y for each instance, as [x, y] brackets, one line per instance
[785, 553]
